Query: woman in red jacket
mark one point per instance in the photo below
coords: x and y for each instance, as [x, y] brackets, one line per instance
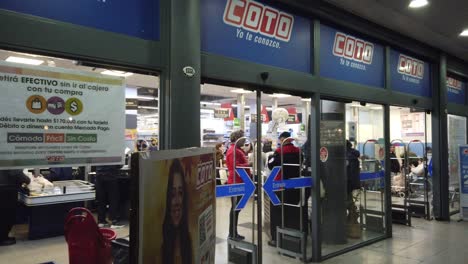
[233, 178]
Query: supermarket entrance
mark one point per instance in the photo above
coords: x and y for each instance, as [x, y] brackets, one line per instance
[262, 139]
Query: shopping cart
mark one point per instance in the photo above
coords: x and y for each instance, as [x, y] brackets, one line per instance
[87, 243]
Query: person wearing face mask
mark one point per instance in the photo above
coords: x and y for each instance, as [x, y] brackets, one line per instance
[177, 244]
[234, 178]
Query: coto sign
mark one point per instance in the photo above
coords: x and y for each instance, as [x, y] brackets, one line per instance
[411, 66]
[350, 47]
[454, 83]
[258, 18]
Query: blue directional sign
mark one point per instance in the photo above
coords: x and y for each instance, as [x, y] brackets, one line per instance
[271, 186]
[246, 189]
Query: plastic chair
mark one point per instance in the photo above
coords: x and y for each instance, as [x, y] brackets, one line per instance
[87, 243]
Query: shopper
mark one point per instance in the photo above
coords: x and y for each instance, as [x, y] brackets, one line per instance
[353, 180]
[291, 155]
[219, 161]
[352, 168]
[417, 167]
[108, 193]
[61, 174]
[394, 163]
[177, 245]
[10, 181]
[234, 178]
[153, 145]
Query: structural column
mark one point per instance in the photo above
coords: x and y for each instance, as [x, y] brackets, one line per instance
[180, 81]
[440, 143]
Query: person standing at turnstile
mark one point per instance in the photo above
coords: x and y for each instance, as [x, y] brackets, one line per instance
[291, 155]
[234, 178]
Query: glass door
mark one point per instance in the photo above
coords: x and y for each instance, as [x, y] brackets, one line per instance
[286, 177]
[411, 154]
[351, 154]
[263, 173]
[226, 125]
[456, 137]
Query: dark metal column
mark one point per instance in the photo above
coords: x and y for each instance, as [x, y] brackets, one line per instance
[259, 178]
[388, 180]
[314, 141]
[180, 92]
[440, 142]
[314, 132]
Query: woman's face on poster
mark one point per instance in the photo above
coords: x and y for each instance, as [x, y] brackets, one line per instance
[177, 199]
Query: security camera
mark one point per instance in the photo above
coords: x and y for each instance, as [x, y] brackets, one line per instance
[264, 75]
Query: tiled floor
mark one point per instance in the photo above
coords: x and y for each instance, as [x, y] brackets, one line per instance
[425, 242]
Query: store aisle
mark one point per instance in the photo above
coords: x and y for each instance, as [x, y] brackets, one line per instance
[425, 243]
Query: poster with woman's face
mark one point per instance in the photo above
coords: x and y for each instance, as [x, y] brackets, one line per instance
[177, 207]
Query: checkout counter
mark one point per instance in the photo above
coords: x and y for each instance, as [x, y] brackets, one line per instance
[45, 211]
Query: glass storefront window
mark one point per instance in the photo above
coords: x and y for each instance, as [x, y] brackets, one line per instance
[456, 137]
[352, 171]
[86, 107]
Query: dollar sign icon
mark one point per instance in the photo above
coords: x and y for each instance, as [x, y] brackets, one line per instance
[74, 107]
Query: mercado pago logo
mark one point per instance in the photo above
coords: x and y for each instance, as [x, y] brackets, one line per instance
[259, 23]
[454, 85]
[412, 69]
[353, 52]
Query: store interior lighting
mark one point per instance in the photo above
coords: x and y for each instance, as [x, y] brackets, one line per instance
[142, 97]
[116, 73]
[306, 99]
[209, 103]
[147, 107]
[279, 95]
[355, 104]
[464, 33]
[24, 60]
[240, 91]
[418, 3]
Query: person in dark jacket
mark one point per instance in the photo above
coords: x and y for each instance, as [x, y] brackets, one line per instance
[10, 181]
[108, 193]
[394, 164]
[61, 174]
[291, 155]
[352, 168]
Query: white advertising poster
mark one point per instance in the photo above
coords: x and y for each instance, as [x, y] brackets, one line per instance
[57, 117]
[413, 125]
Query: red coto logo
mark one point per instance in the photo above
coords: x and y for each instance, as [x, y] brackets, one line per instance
[258, 18]
[205, 173]
[410, 66]
[352, 48]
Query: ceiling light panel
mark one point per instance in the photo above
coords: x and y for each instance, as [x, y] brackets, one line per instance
[418, 3]
[24, 60]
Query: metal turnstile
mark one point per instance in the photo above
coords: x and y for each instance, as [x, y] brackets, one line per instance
[418, 198]
[400, 211]
[292, 242]
[242, 252]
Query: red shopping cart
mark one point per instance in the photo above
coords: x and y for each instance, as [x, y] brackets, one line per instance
[87, 243]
